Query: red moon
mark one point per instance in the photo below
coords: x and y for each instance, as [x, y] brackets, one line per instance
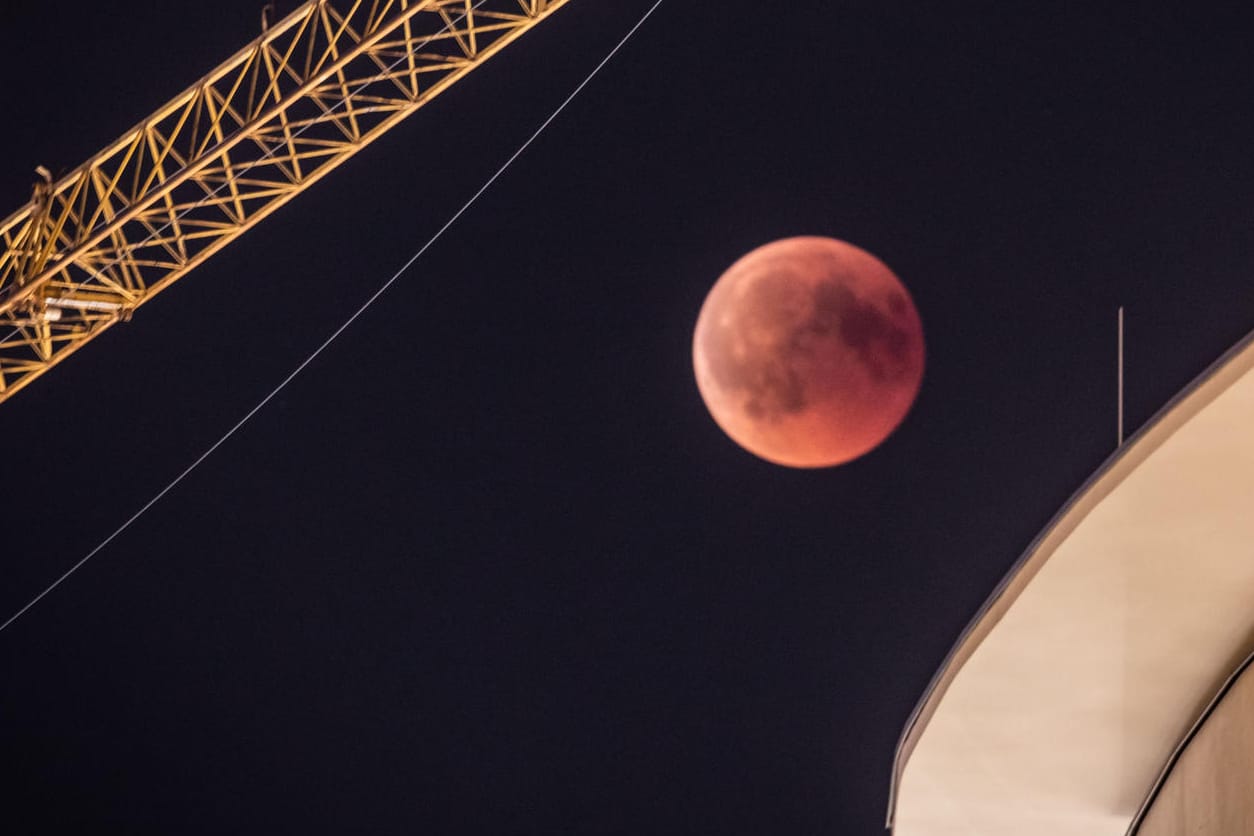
[808, 352]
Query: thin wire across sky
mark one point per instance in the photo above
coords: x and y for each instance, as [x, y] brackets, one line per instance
[383, 288]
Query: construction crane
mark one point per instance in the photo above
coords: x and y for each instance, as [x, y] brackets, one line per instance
[311, 91]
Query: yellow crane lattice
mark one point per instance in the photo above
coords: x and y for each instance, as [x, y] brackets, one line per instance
[309, 93]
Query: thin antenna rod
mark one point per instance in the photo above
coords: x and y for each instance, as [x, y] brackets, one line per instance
[1119, 428]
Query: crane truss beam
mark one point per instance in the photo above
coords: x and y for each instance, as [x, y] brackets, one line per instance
[276, 117]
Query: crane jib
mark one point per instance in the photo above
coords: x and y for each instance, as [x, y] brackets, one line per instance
[310, 92]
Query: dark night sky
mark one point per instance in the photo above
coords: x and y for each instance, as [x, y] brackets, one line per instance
[488, 566]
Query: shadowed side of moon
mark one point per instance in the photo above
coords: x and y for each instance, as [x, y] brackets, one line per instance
[808, 352]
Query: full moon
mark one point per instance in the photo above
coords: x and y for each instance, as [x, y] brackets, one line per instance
[808, 352]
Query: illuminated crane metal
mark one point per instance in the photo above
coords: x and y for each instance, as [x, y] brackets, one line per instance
[309, 93]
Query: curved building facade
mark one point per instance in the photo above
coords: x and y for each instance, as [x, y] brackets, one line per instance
[1062, 701]
[1205, 790]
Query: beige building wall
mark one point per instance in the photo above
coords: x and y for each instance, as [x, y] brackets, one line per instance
[1062, 701]
[1209, 790]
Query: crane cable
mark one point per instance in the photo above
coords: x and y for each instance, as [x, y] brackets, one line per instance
[343, 327]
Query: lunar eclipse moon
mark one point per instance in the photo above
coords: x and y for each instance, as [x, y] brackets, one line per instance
[808, 352]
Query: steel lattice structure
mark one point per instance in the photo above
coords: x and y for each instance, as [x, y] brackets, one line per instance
[309, 93]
